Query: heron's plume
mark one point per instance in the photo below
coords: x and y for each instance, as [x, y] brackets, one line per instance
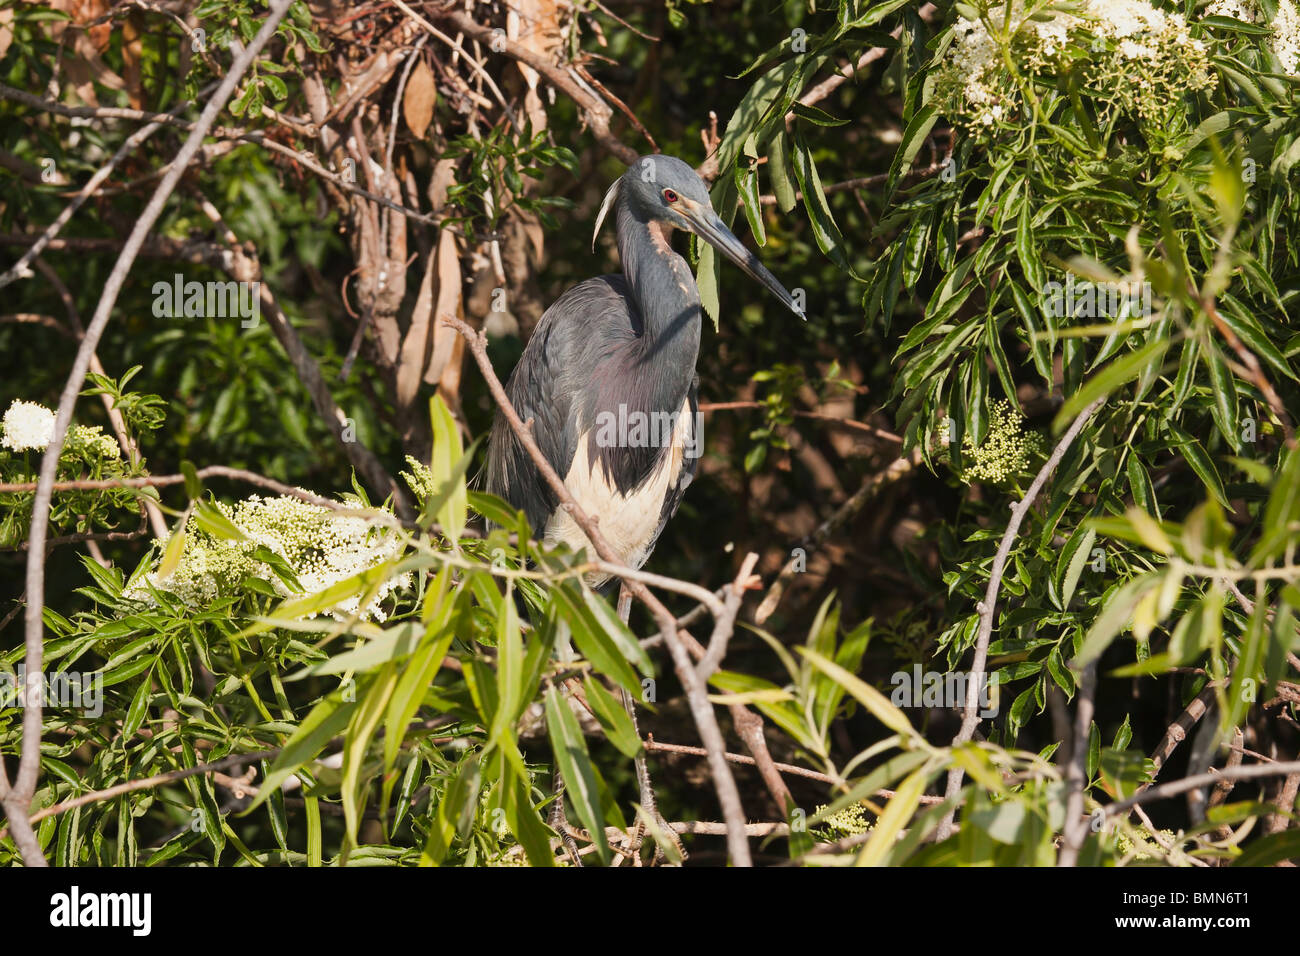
[606, 204]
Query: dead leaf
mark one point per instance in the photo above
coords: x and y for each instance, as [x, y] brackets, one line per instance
[417, 103]
[132, 59]
[415, 345]
[440, 182]
[6, 29]
[448, 302]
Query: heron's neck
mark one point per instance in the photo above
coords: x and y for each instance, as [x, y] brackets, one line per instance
[663, 287]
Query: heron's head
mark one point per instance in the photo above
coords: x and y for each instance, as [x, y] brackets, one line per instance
[664, 189]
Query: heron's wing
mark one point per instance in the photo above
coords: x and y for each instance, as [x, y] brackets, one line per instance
[578, 333]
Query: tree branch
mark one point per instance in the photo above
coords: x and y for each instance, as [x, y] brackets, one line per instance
[988, 607]
[19, 797]
[595, 110]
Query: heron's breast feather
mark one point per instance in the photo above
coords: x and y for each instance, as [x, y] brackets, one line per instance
[627, 522]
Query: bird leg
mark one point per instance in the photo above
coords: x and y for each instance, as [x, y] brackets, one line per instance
[559, 822]
[649, 807]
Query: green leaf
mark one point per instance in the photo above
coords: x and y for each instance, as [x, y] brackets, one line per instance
[592, 640]
[193, 487]
[370, 709]
[580, 784]
[1073, 558]
[1271, 849]
[291, 611]
[880, 777]
[613, 718]
[898, 811]
[208, 517]
[171, 558]
[325, 722]
[447, 454]
[1194, 453]
[1117, 613]
[825, 231]
[1249, 669]
[1117, 373]
[875, 702]
[773, 702]
[747, 186]
[1224, 389]
[394, 643]
[417, 676]
[618, 632]
[135, 714]
[526, 824]
[918, 128]
[510, 670]
[455, 812]
[778, 168]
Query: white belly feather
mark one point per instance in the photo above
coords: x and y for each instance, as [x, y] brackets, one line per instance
[627, 522]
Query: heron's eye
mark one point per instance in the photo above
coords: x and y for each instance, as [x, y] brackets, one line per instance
[670, 196]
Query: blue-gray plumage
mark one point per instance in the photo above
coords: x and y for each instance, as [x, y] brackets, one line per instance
[608, 377]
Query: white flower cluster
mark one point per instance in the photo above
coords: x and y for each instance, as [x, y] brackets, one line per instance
[1135, 44]
[91, 442]
[1285, 41]
[27, 427]
[1006, 451]
[322, 546]
[850, 820]
[420, 479]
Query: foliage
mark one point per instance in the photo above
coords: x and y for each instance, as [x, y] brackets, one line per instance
[1076, 202]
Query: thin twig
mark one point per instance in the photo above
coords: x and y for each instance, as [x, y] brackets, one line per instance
[596, 112]
[19, 269]
[988, 607]
[474, 64]
[1182, 726]
[896, 471]
[1076, 774]
[841, 76]
[706, 407]
[1174, 787]
[656, 746]
[147, 783]
[862, 182]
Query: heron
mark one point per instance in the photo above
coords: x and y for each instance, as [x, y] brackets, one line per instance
[608, 377]
[609, 382]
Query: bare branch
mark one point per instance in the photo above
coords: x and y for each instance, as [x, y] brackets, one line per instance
[1076, 775]
[596, 111]
[988, 608]
[1253, 771]
[19, 796]
[20, 268]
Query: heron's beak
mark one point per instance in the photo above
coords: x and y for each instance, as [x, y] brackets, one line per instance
[706, 224]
